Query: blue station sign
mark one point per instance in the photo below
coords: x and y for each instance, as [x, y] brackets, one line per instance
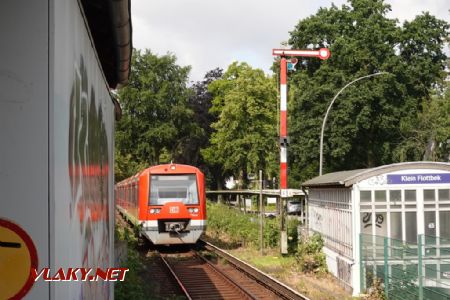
[418, 178]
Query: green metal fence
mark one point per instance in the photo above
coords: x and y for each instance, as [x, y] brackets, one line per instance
[418, 270]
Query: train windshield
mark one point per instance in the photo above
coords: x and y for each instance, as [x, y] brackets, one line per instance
[173, 188]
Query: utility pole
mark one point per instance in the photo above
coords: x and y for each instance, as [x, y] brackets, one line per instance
[261, 214]
[322, 53]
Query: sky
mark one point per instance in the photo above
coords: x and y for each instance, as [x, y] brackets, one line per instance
[206, 34]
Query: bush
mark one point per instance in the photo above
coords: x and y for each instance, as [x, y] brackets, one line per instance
[238, 228]
[310, 255]
[376, 291]
[133, 285]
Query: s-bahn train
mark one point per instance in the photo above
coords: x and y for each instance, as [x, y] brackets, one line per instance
[167, 202]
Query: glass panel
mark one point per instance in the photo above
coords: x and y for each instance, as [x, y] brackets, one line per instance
[430, 223]
[396, 225]
[444, 195]
[380, 196]
[380, 224]
[369, 276]
[444, 224]
[365, 196]
[378, 207]
[366, 223]
[410, 195]
[173, 188]
[412, 270]
[397, 272]
[445, 271]
[428, 195]
[380, 272]
[411, 227]
[395, 196]
[431, 271]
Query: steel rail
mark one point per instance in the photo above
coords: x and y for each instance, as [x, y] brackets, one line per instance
[279, 288]
[183, 288]
[211, 268]
[228, 278]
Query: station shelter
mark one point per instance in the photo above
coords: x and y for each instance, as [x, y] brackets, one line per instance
[395, 218]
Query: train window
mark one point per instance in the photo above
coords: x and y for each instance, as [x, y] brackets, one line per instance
[173, 188]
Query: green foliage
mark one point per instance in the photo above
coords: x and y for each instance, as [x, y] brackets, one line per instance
[201, 102]
[376, 291]
[244, 137]
[133, 287]
[310, 256]
[372, 119]
[238, 228]
[156, 117]
[428, 139]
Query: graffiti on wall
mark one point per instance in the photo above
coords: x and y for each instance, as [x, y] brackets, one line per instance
[367, 220]
[315, 218]
[344, 270]
[88, 171]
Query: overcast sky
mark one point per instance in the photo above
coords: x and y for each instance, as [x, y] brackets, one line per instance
[206, 34]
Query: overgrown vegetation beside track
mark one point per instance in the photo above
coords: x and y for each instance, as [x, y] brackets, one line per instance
[133, 285]
[304, 268]
[234, 228]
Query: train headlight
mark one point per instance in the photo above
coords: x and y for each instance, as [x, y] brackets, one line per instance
[196, 210]
[152, 211]
[155, 210]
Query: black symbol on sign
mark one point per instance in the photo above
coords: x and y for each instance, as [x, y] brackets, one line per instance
[9, 245]
[367, 220]
[380, 220]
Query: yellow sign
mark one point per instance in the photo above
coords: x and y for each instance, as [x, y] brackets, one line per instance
[18, 257]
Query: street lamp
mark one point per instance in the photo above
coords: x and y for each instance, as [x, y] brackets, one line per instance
[329, 108]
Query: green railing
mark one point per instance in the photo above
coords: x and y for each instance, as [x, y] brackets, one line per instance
[418, 270]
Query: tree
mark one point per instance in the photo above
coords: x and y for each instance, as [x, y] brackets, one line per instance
[201, 102]
[366, 125]
[156, 117]
[244, 137]
[429, 138]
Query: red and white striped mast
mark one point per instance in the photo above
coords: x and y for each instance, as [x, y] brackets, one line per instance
[322, 53]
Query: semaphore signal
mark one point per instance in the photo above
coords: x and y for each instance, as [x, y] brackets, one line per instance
[323, 54]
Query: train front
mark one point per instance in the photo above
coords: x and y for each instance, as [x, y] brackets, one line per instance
[176, 212]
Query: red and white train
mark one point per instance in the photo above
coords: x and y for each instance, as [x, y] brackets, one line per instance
[167, 202]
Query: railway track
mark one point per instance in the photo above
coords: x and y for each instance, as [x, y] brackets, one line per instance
[195, 272]
[281, 290]
[200, 278]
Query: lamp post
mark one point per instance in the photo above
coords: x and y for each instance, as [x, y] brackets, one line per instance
[329, 108]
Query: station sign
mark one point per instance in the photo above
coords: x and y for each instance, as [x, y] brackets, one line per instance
[418, 178]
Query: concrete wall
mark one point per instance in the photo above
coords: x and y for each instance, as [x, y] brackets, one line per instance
[24, 126]
[56, 143]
